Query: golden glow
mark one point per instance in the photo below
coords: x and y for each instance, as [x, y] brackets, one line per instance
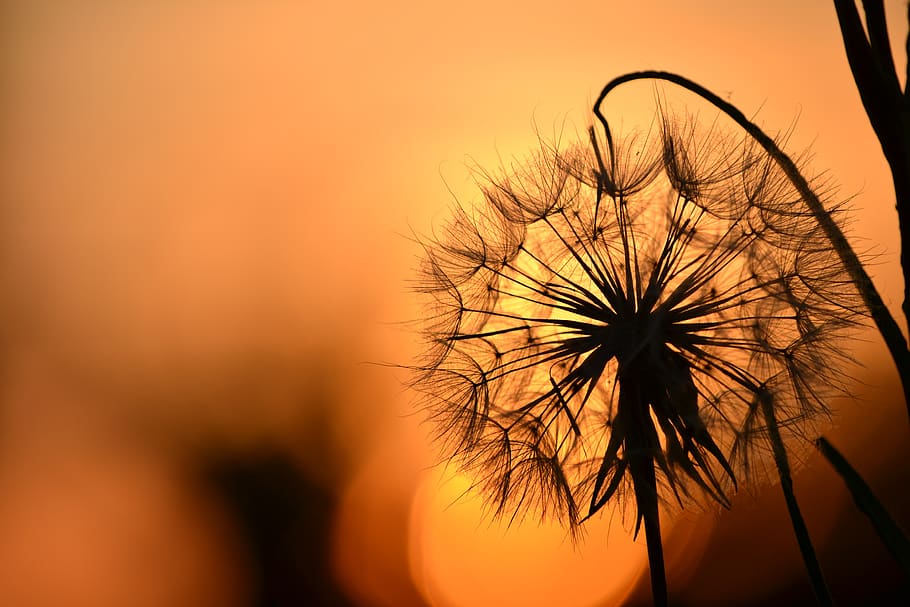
[461, 558]
[200, 239]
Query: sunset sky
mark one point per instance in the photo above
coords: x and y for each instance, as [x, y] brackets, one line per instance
[205, 247]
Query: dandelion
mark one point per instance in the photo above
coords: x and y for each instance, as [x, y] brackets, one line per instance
[644, 320]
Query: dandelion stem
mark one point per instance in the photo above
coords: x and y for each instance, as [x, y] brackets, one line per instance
[646, 495]
[796, 517]
[884, 321]
[639, 448]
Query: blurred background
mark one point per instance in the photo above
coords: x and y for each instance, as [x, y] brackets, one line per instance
[204, 219]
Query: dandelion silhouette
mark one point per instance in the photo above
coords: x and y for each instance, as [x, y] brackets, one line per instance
[651, 317]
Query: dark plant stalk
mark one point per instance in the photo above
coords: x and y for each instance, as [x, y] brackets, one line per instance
[887, 107]
[884, 321]
[796, 517]
[888, 531]
[644, 480]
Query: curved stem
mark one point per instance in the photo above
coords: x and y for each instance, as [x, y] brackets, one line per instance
[884, 321]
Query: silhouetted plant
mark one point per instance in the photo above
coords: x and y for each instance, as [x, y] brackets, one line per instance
[868, 50]
[646, 318]
[888, 108]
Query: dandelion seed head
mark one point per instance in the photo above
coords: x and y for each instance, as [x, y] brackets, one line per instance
[618, 301]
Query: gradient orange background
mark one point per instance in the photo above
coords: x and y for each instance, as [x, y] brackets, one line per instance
[203, 245]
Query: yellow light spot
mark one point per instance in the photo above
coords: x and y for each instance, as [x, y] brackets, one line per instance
[459, 558]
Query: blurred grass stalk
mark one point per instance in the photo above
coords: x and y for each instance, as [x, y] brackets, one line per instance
[887, 529]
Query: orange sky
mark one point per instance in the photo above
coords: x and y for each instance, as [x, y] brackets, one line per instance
[196, 191]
